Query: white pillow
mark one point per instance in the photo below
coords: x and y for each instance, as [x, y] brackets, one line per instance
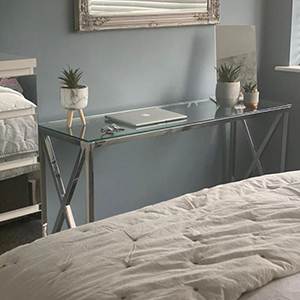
[13, 100]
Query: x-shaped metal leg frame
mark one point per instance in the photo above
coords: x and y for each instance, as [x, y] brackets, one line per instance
[252, 148]
[256, 163]
[65, 195]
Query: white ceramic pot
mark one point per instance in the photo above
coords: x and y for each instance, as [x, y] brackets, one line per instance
[227, 93]
[74, 99]
[251, 99]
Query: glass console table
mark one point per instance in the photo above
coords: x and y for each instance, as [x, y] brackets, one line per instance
[200, 113]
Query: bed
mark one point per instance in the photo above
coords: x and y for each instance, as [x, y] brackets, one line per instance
[19, 166]
[19, 134]
[235, 241]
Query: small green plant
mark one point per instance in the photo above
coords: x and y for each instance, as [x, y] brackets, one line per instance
[250, 87]
[228, 73]
[70, 78]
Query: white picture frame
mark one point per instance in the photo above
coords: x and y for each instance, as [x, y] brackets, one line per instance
[85, 21]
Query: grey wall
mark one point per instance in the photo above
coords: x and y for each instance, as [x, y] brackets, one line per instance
[126, 69]
[280, 86]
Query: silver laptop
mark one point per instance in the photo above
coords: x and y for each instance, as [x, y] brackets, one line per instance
[147, 116]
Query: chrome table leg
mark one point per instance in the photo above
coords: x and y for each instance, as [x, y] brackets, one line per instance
[89, 182]
[284, 141]
[233, 131]
[43, 190]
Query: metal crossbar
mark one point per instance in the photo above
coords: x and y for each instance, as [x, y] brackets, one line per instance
[263, 145]
[65, 208]
[252, 147]
[55, 171]
[65, 196]
[256, 163]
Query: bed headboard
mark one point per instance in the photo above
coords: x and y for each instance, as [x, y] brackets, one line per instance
[27, 84]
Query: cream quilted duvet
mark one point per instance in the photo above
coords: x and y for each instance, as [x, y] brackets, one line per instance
[214, 244]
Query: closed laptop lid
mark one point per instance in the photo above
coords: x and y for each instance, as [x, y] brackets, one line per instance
[147, 116]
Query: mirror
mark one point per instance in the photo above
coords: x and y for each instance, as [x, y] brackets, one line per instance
[120, 14]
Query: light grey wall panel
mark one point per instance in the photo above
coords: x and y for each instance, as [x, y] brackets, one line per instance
[280, 86]
[127, 69]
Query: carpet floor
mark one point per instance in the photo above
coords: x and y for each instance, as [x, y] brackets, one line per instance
[19, 232]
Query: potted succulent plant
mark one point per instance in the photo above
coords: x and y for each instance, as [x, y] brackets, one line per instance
[228, 85]
[73, 96]
[251, 95]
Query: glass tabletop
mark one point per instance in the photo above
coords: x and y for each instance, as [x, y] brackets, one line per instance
[197, 112]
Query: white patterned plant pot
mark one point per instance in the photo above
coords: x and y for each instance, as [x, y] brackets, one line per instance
[74, 99]
[227, 93]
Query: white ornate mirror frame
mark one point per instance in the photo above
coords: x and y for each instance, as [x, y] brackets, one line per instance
[86, 21]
